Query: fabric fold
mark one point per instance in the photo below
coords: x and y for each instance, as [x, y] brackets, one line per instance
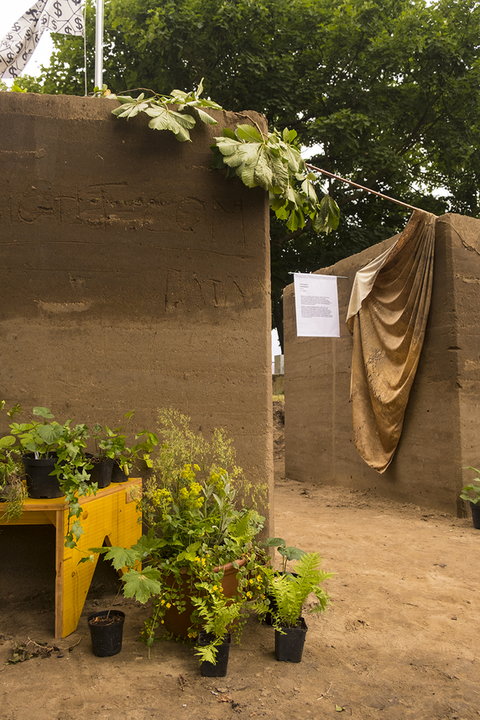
[387, 316]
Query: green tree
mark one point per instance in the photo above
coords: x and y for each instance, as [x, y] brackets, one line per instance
[385, 92]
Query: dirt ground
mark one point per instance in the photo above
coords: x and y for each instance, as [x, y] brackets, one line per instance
[398, 642]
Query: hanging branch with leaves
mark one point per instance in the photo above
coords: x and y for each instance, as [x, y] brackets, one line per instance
[270, 160]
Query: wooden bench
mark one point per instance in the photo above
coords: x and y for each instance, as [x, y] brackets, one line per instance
[110, 517]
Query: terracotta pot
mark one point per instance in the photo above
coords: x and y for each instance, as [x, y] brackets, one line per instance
[178, 623]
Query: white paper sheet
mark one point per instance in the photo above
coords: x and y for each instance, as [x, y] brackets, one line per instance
[316, 305]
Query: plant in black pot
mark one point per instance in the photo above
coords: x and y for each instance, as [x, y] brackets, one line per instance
[110, 448]
[471, 494]
[55, 463]
[106, 632]
[114, 458]
[288, 553]
[218, 618]
[291, 592]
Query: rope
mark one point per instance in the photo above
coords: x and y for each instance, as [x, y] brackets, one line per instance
[362, 187]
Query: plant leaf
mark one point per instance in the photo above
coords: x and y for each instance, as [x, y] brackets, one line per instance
[248, 133]
[42, 412]
[165, 119]
[141, 585]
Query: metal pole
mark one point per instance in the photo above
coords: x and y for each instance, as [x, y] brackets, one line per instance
[99, 44]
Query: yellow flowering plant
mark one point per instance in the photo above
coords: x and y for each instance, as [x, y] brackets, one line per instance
[200, 515]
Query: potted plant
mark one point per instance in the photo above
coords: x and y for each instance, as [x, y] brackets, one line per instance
[471, 494]
[202, 564]
[113, 458]
[106, 632]
[288, 553]
[55, 462]
[217, 615]
[110, 448]
[291, 591]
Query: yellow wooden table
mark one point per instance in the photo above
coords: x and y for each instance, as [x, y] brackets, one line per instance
[110, 517]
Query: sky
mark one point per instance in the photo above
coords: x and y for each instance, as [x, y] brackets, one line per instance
[10, 11]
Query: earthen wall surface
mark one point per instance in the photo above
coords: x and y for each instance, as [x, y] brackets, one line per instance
[441, 429]
[132, 275]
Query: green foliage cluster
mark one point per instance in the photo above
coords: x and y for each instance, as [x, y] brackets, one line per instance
[273, 162]
[113, 443]
[189, 106]
[44, 437]
[471, 491]
[13, 490]
[197, 522]
[268, 160]
[287, 552]
[291, 590]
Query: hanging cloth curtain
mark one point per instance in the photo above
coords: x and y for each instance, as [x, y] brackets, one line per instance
[387, 315]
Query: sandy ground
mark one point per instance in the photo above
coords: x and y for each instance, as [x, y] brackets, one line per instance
[398, 642]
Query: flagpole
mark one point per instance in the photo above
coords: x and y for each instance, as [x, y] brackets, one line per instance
[99, 44]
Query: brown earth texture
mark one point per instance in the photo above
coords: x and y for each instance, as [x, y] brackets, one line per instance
[398, 642]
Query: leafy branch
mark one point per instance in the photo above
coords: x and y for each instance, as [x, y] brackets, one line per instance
[270, 160]
[189, 107]
[273, 162]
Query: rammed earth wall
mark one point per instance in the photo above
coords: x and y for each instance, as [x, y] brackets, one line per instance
[132, 276]
[442, 424]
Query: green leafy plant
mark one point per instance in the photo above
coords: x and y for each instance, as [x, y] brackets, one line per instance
[471, 491]
[189, 107]
[291, 591]
[272, 161]
[218, 616]
[13, 490]
[112, 443]
[197, 522]
[46, 438]
[269, 160]
[287, 552]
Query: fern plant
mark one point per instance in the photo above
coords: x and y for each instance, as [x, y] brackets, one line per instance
[292, 590]
[217, 617]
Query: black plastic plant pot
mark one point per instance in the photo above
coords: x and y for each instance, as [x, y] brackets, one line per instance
[219, 667]
[106, 631]
[118, 475]
[289, 643]
[475, 515]
[40, 482]
[101, 473]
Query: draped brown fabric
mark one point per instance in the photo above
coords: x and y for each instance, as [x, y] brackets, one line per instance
[387, 315]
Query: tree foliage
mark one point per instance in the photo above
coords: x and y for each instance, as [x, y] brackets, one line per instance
[385, 92]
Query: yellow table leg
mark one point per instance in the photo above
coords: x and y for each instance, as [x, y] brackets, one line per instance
[111, 519]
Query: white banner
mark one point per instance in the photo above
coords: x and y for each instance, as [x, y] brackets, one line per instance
[60, 16]
[316, 305]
